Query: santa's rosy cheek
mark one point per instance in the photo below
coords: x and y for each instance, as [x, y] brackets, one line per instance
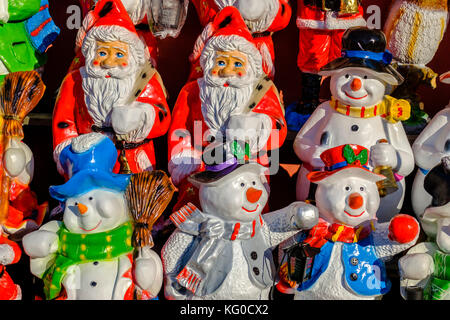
[214, 72]
[95, 63]
[240, 74]
[124, 64]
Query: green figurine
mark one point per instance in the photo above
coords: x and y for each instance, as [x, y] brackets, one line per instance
[26, 32]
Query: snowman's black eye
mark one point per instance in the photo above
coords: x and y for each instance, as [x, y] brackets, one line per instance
[365, 77]
[362, 189]
[254, 183]
[90, 198]
[76, 203]
[348, 188]
[347, 76]
[242, 184]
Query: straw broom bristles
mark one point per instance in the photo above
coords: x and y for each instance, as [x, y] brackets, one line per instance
[148, 195]
[20, 93]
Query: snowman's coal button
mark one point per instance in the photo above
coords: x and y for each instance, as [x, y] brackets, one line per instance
[95, 263]
[354, 261]
[256, 271]
[353, 276]
[93, 283]
[254, 255]
[355, 128]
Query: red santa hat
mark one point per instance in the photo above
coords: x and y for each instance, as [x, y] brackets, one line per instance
[227, 23]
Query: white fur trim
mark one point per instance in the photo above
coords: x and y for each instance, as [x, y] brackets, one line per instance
[331, 22]
[19, 293]
[6, 254]
[199, 44]
[224, 3]
[183, 164]
[143, 161]
[85, 142]
[4, 14]
[267, 59]
[88, 22]
[400, 27]
[57, 152]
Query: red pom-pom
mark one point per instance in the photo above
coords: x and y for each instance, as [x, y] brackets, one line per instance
[403, 228]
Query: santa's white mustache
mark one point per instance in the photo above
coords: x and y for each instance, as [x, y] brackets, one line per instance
[233, 81]
[114, 72]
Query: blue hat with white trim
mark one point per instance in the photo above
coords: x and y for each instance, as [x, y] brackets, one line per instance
[365, 48]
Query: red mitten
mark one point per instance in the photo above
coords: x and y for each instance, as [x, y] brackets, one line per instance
[403, 228]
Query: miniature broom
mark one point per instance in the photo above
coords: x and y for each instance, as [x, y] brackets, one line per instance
[148, 195]
[19, 94]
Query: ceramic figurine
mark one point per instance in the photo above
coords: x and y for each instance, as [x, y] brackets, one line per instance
[321, 27]
[20, 212]
[414, 30]
[223, 251]
[262, 17]
[26, 32]
[118, 93]
[156, 19]
[425, 269]
[234, 100]
[429, 147]
[349, 247]
[360, 113]
[97, 251]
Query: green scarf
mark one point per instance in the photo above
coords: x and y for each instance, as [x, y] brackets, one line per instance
[75, 248]
[440, 280]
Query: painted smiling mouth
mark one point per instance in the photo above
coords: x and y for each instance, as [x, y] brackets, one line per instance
[250, 211]
[351, 97]
[359, 215]
[92, 228]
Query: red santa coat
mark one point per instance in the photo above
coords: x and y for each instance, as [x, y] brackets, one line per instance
[207, 10]
[71, 117]
[8, 289]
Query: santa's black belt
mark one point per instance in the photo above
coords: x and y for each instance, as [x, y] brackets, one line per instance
[261, 34]
[325, 5]
[102, 129]
[123, 145]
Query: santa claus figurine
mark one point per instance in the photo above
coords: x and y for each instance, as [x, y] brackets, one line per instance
[234, 100]
[10, 253]
[262, 17]
[321, 27]
[359, 112]
[118, 92]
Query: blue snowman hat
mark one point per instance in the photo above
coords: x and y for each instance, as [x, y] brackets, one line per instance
[91, 169]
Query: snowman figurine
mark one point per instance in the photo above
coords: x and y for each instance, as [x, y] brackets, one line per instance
[360, 113]
[352, 245]
[425, 269]
[89, 255]
[224, 251]
[430, 146]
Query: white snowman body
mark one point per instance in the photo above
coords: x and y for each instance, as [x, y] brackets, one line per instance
[231, 201]
[429, 148]
[335, 199]
[96, 211]
[327, 128]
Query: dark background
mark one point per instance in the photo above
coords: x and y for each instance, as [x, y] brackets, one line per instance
[174, 68]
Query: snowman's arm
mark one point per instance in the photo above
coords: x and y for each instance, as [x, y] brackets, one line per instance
[399, 140]
[284, 223]
[304, 144]
[172, 255]
[425, 153]
[148, 271]
[42, 242]
[385, 248]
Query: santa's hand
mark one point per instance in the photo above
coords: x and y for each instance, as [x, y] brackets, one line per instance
[417, 266]
[40, 243]
[183, 164]
[133, 123]
[304, 216]
[254, 128]
[251, 9]
[383, 154]
[148, 271]
[403, 229]
[6, 254]
[15, 161]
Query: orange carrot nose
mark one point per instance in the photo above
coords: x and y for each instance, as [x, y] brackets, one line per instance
[355, 201]
[356, 84]
[82, 208]
[253, 195]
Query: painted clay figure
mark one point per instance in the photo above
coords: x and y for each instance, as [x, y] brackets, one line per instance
[321, 27]
[20, 212]
[90, 254]
[155, 19]
[234, 100]
[429, 147]
[26, 32]
[353, 247]
[414, 30]
[117, 92]
[224, 250]
[360, 113]
[425, 269]
[262, 17]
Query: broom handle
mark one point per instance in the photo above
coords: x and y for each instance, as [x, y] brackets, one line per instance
[5, 183]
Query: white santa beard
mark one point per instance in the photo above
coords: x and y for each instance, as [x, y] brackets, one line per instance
[219, 102]
[101, 94]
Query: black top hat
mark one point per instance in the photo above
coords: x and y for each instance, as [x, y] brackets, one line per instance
[437, 183]
[365, 48]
